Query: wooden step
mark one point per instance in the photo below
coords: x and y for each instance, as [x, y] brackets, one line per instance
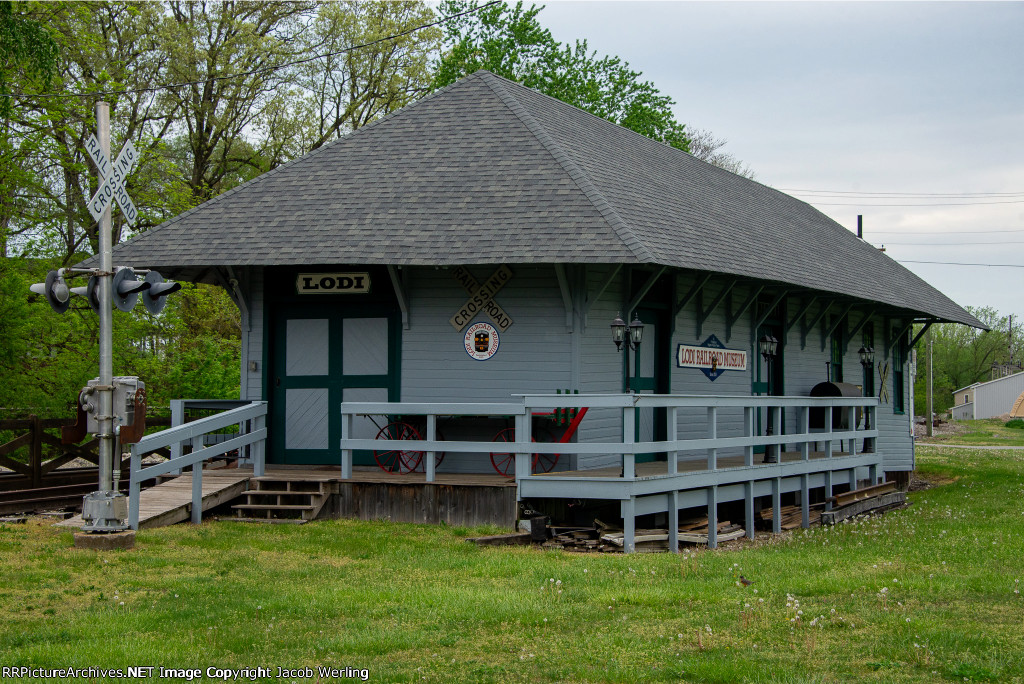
[274, 507]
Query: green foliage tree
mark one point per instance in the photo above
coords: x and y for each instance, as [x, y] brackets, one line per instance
[510, 42]
[962, 356]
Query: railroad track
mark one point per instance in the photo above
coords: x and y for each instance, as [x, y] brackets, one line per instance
[45, 498]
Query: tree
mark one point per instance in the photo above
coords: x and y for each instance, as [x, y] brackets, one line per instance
[28, 52]
[510, 42]
[352, 86]
[706, 146]
[962, 356]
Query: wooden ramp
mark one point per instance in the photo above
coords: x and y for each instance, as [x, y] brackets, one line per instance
[171, 502]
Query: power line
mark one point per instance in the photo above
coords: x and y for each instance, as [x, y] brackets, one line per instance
[957, 263]
[261, 70]
[929, 204]
[954, 244]
[857, 193]
[935, 232]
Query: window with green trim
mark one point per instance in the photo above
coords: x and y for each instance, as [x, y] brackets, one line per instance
[837, 352]
[899, 355]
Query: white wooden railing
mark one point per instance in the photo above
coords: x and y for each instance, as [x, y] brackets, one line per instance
[251, 422]
[627, 447]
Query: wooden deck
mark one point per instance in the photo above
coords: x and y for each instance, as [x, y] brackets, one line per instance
[171, 502]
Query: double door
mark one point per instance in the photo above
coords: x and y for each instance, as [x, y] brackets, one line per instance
[322, 356]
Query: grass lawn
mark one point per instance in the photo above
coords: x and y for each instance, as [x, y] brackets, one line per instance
[929, 593]
[986, 432]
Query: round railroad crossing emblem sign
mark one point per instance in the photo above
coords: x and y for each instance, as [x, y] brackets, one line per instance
[481, 341]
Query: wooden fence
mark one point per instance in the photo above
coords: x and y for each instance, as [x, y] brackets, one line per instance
[45, 453]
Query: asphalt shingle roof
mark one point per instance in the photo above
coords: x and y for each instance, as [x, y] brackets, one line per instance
[487, 171]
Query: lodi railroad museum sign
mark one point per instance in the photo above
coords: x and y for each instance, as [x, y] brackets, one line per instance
[711, 358]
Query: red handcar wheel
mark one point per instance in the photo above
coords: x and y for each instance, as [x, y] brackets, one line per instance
[398, 460]
[545, 463]
[504, 463]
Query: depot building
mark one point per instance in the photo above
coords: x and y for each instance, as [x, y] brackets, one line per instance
[479, 243]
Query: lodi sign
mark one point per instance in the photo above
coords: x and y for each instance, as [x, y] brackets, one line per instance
[711, 358]
[332, 283]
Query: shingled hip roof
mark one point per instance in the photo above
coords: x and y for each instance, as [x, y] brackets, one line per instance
[488, 171]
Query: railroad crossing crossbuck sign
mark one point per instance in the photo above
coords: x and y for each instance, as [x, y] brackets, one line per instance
[112, 180]
[481, 298]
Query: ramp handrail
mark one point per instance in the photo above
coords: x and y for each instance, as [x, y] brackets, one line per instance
[251, 420]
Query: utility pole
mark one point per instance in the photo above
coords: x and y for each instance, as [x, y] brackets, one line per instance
[928, 418]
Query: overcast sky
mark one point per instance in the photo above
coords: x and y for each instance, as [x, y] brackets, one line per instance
[854, 99]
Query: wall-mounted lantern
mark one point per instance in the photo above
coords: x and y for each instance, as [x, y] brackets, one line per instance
[867, 356]
[632, 336]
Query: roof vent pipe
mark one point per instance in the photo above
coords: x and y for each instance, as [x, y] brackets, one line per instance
[860, 226]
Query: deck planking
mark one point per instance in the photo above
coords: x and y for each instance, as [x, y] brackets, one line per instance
[171, 502]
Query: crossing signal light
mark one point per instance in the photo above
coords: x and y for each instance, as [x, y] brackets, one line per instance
[91, 292]
[55, 290]
[155, 297]
[127, 287]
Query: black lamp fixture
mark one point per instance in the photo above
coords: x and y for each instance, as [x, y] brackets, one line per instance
[867, 356]
[631, 336]
[769, 347]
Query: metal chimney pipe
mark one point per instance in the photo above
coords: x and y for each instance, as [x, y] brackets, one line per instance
[860, 226]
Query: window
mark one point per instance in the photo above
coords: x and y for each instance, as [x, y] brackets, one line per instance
[899, 354]
[837, 352]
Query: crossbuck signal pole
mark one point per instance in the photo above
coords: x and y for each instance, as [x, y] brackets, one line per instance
[108, 405]
[105, 419]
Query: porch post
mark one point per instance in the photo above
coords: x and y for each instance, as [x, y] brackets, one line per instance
[346, 454]
[712, 434]
[134, 488]
[629, 525]
[177, 418]
[805, 503]
[672, 434]
[777, 505]
[804, 427]
[629, 438]
[673, 521]
[713, 517]
[748, 431]
[258, 451]
[197, 493]
[431, 436]
[523, 425]
[828, 490]
[748, 506]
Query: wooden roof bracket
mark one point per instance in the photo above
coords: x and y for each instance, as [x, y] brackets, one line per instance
[767, 312]
[591, 301]
[563, 286]
[704, 314]
[230, 284]
[901, 331]
[827, 330]
[403, 303]
[799, 316]
[857, 328]
[826, 306]
[730, 320]
[695, 289]
[644, 290]
[927, 324]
